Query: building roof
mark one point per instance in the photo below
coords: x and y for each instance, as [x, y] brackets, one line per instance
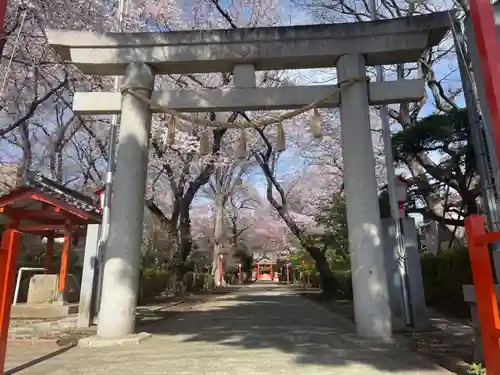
[57, 191]
[40, 206]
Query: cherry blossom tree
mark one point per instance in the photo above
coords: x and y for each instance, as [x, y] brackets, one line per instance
[428, 173]
[184, 166]
[241, 216]
[221, 189]
[41, 132]
[267, 158]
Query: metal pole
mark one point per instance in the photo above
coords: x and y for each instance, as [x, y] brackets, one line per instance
[478, 140]
[486, 40]
[108, 182]
[477, 83]
[485, 159]
[391, 187]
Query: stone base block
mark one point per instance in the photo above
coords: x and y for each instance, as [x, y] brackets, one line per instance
[43, 289]
[470, 297]
[43, 311]
[99, 342]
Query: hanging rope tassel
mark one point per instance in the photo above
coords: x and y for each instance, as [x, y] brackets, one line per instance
[204, 144]
[242, 145]
[172, 124]
[280, 137]
[315, 124]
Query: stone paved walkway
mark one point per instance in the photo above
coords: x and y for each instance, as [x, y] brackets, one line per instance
[258, 330]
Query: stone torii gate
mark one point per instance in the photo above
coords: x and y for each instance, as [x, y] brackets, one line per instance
[349, 47]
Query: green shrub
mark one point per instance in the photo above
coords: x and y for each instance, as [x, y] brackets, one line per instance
[314, 280]
[204, 278]
[443, 277]
[344, 283]
[190, 281]
[152, 283]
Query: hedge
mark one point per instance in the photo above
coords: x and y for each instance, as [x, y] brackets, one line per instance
[443, 276]
[196, 282]
[344, 283]
[152, 283]
[155, 281]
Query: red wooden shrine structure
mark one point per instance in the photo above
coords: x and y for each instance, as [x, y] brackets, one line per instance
[486, 39]
[264, 264]
[261, 268]
[43, 208]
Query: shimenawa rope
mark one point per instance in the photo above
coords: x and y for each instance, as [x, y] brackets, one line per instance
[246, 124]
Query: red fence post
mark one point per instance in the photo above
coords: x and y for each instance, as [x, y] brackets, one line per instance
[63, 272]
[484, 289]
[221, 275]
[8, 260]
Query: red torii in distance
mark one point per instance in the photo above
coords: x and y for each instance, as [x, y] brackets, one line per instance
[44, 208]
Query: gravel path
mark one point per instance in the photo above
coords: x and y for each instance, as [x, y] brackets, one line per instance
[257, 330]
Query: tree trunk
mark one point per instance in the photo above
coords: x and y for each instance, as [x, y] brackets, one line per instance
[327, 279]
[186, 243]
[218, 230]
[328, 282]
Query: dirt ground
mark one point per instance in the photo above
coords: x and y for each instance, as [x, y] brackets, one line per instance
[448, 341]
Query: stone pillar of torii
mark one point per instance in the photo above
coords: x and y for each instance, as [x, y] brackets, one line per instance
[349, 47]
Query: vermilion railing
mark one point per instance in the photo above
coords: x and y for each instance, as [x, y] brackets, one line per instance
[482, 274]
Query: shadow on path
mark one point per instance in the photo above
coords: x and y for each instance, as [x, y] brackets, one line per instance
[38, 360]
[252, 331]
[262, 319]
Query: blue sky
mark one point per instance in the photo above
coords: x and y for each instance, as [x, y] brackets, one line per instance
[446, 70]
[291, 160]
